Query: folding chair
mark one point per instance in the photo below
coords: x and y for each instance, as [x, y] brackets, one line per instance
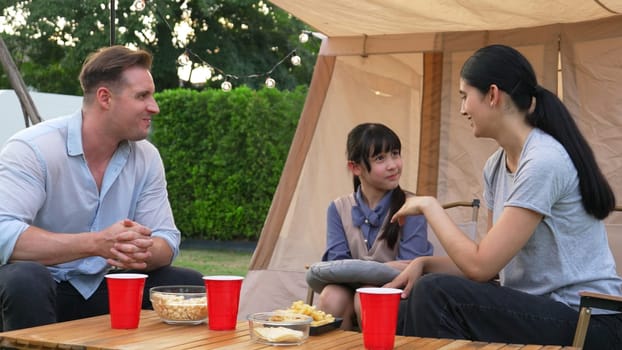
[469, 226]
[591, 300]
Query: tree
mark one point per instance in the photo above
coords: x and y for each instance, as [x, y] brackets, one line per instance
[241, 38]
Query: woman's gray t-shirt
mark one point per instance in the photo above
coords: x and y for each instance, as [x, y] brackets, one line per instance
[568, 252]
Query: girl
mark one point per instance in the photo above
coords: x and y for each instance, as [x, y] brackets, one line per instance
[358, 224]
[546, 199]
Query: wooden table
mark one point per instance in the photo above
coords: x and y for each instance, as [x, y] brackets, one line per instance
[95, 334]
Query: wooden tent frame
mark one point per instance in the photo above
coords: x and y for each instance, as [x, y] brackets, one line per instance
[31, 115]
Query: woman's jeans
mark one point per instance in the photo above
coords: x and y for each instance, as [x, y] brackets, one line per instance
[443, 306]
[29, 296]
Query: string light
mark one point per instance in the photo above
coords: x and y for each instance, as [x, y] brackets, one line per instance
[140, 5]
[226, 86]
[303, 37]
[296, 61]
[270, 83]
[187, 66]
[184, 59]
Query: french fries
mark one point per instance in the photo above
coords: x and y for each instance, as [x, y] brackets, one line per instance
[319, 317]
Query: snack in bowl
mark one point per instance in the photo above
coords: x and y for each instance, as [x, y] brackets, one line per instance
[276, 328]
[279, 334]
[320, 317]
[180, 304]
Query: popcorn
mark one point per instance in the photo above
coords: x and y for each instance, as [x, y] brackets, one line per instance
[178, 308]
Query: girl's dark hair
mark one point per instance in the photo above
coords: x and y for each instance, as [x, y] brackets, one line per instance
[364, 142]
[511, 72]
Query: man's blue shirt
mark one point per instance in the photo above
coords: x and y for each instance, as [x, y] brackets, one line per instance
[45, 182]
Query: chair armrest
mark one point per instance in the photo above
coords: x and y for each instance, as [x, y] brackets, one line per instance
[601, 301]
[591, 300]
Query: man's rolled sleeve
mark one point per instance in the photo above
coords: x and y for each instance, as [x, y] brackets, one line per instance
[10, 230]
[21, 193]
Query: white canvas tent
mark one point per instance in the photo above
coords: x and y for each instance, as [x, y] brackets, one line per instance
[48, 105]
[397, 62]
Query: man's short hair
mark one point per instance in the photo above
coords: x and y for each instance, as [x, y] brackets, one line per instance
[106, 65]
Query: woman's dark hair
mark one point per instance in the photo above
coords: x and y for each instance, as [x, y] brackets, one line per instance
[511, 72]
[366, 141]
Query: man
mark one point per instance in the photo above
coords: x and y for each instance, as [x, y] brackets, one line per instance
[83, 196]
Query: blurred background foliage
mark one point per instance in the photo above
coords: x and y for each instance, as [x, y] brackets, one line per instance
[49, 40]
[224, 153]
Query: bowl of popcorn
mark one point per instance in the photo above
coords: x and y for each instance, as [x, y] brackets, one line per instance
[180, 304]
[279, 328]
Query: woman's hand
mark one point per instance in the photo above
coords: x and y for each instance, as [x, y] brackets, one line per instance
[412, 206]
[408, 277]
[398, 264]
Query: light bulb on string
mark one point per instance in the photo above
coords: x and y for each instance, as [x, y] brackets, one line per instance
[140, 5]
[184, 59]
[226, 86]
[296, 60]
[303, 37]
[200, 72]
[270, 83]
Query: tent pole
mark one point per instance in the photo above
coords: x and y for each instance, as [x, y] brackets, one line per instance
[28, 107]
[301, 143]
[430, 138]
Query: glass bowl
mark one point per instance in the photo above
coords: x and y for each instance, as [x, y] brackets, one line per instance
[279, 328]
[180, 304]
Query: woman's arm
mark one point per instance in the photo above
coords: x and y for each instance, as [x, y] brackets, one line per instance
[478, 261]
[420, 266]
[398, 264]
[414, 241]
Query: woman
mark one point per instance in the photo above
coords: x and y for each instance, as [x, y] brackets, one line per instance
[358, 224]
[546, 199]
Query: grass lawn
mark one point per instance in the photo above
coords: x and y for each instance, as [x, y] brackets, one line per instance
[214, 262]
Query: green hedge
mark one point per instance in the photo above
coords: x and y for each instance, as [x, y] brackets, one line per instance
[224, 153]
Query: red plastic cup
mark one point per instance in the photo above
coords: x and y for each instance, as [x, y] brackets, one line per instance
[223, 299]
[379, 308]
[125, 298]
